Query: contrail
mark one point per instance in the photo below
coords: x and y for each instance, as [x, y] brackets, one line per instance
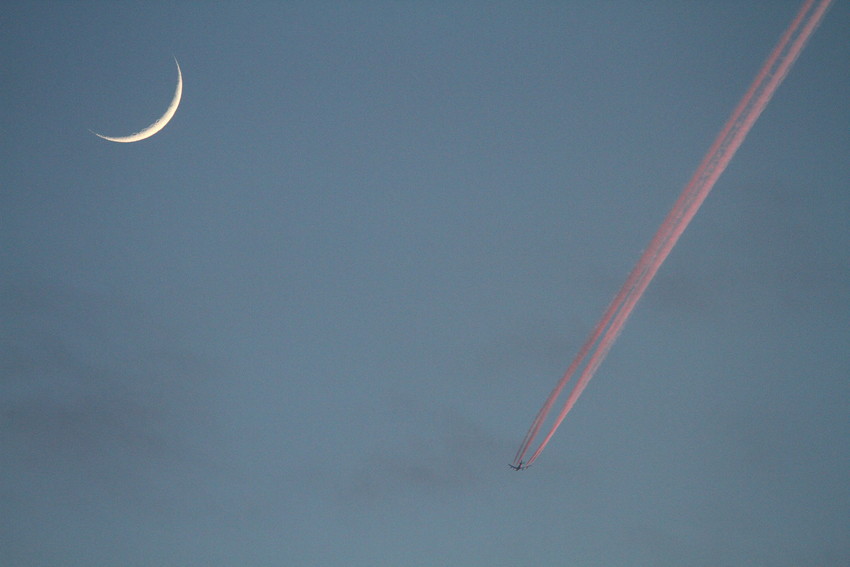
[713, 164]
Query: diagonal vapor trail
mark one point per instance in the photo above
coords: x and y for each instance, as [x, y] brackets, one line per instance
[686, 206]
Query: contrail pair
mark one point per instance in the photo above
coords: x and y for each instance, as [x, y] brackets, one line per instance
[594, 350]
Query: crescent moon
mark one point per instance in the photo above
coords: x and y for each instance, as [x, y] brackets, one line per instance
[159, 124]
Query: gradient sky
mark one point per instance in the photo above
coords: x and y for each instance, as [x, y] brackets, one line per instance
[310, 321]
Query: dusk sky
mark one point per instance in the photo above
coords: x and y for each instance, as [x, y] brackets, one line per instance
[310, 321]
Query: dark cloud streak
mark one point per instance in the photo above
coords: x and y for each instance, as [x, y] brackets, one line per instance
[95, 403]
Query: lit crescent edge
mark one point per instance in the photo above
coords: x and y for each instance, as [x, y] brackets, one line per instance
[159, 124]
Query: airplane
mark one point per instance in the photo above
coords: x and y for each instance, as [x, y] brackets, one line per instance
[518, 467]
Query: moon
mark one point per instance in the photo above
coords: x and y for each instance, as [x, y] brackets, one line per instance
[160, 123]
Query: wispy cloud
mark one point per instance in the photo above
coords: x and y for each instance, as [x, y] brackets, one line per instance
[94, 402]
[449, 453]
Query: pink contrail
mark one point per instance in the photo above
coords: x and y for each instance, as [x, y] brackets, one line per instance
[714, 163]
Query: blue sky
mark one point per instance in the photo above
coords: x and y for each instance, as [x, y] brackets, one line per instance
[309, 322]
